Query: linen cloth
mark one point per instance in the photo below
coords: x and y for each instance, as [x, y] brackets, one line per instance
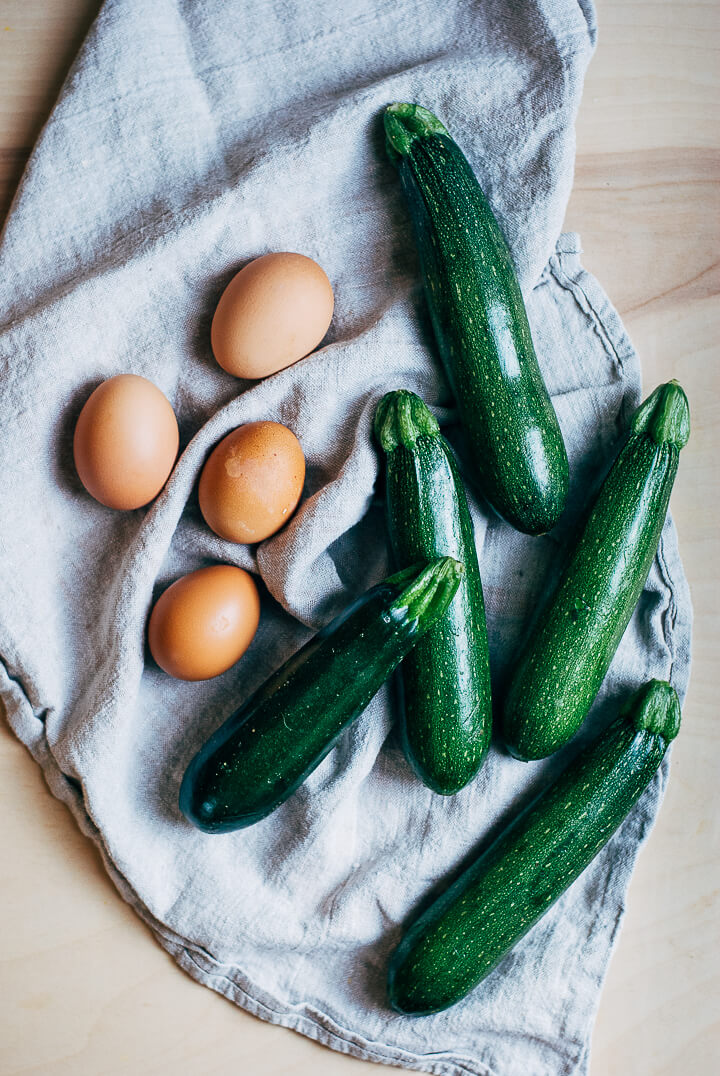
[189, 138]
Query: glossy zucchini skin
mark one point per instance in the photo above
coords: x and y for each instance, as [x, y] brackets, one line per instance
[266, 749]
[481, 325]
[495, 902]
[562, 666]
[446, 716]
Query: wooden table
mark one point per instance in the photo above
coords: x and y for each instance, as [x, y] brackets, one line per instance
[646, 202]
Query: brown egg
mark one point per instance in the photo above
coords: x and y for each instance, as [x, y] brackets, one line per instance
[126, 440]
[272, 313]
[252, 481]
[204, 623]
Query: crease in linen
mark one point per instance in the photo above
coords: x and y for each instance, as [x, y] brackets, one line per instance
[188, 139]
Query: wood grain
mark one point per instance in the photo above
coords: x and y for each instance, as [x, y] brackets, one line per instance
[646, 201]
[85, 988]
[38, 41]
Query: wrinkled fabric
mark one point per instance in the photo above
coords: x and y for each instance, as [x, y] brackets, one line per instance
[189, 138]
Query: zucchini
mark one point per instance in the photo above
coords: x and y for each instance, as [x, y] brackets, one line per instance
[446, 713]
[495, 902]
[561, 668]
[480, 324]
[266, 749]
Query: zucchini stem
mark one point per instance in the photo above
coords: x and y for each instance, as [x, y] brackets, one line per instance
[664, 416]
[404, 123]
[655, 707]
[401, 417]
[427, 597]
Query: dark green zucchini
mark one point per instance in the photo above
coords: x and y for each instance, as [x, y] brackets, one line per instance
[481, 325]
[495, 902]
[561, 668]
[267, 748]
[446, 712]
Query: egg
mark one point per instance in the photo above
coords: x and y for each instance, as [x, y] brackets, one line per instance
[203, 623]
[126, 440]
[252, 481]
[272, 313]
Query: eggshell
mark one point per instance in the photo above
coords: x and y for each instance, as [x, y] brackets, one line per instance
[204, 622]
[272, 313]
[126, 440]
[252, 481]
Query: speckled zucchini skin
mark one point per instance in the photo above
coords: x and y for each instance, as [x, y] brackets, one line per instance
[267, 748]
[481, 325]
[446, 714]
[561, 668]
[495, 902]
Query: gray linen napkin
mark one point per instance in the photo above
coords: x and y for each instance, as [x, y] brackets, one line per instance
[189, 138]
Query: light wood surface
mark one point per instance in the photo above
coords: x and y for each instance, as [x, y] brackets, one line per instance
[84, 988]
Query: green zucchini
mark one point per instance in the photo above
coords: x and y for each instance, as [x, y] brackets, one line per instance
[446, 713]
[495, 902]
[266, 749]
[481, 325]
[561, 668]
